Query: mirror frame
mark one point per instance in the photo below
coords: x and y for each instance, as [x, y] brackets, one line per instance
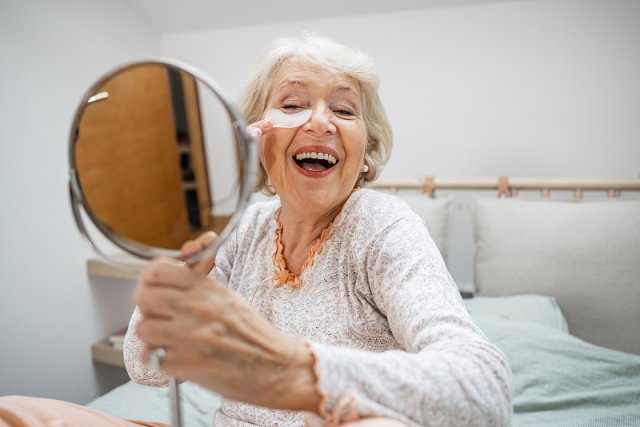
[244, 138]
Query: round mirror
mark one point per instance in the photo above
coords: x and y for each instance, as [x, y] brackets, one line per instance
[158, 156]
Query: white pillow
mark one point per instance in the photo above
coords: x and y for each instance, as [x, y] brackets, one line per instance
[540, 309]
[436, 214]
[585, 254]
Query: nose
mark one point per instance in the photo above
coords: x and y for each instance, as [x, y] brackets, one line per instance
[320, 122]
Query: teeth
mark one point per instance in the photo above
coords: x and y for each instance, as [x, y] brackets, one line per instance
[316, 155]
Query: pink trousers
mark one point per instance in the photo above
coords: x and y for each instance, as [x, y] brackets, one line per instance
[19, 411]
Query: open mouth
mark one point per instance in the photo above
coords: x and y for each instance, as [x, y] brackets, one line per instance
[315, 161]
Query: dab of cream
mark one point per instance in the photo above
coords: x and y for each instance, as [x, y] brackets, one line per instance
[280, 119]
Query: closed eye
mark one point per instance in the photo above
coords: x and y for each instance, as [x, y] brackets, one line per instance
[345, 113]
[291, 108]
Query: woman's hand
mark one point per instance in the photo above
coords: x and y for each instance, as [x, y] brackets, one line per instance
[261, 128]
[214, 338]
[192, 246]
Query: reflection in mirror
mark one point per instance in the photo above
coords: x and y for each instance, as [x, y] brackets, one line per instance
[145, 158]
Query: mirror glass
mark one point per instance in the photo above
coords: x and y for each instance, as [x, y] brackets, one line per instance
[155, 158]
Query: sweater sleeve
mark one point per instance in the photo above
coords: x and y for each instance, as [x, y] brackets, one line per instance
[447, 373]
[137, 368]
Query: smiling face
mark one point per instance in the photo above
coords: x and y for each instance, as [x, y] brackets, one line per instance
[315, 166]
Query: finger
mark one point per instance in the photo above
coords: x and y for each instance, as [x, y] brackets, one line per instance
[157, 301]
[189, 248]
[155, 332]
[260, 128]
[204, 267]
[206, 238]
[166, 272]
[183, 365]
[187, 337]
[211, 340]
[192, 247]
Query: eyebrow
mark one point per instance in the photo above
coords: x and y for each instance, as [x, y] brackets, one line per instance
[294, 82]
[342, 88]
[350, 93]
[297, 82]
[345, 88]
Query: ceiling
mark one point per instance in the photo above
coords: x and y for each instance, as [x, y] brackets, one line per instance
[170, 16]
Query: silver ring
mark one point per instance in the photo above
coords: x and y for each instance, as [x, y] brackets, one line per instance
[156, 357]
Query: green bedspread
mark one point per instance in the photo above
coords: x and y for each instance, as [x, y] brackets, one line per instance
[559, 380]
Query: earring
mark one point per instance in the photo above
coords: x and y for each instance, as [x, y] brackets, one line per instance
[365, 169]
[270, 188]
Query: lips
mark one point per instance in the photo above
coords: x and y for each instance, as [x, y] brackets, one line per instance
[315, 161]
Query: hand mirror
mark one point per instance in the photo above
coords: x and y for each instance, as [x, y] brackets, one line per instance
[159, 156]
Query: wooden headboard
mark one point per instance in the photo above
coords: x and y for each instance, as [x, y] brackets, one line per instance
[510, 186]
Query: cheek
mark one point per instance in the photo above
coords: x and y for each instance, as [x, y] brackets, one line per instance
[267, 152]
[358, 142]
[273, 148]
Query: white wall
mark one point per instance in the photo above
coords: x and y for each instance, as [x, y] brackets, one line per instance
[50, 312]
[520, 88]
[544, 87]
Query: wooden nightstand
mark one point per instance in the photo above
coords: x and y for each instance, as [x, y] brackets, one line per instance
[103, 352]
[97, 267]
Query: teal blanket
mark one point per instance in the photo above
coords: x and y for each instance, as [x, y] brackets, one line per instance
[559, 380]
[562, 380]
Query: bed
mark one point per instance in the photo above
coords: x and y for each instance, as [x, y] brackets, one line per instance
[556, 287]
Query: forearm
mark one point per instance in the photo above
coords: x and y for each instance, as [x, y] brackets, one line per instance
[460, 384]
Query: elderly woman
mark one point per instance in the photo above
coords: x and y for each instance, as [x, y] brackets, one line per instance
[329, 303]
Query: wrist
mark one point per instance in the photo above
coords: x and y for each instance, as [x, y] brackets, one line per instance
[300, 391]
